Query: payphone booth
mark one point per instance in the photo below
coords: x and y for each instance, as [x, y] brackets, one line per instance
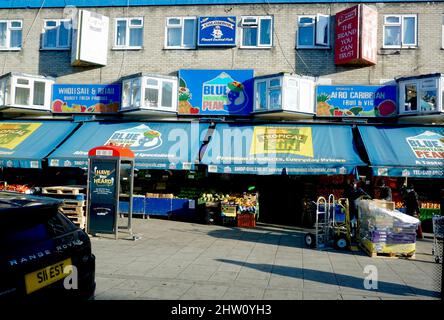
[110, 177]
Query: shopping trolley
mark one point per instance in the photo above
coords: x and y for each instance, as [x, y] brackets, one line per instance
[438, 235]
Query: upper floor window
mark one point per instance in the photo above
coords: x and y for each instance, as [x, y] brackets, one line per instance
[313, 31]
[400, 31]
[56, 34]
[442, 32]
[180, 33]
[10, 34]
[129, 33]
[257, 32]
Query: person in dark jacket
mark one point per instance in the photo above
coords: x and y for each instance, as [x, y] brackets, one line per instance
[385, 193]
[411, 200]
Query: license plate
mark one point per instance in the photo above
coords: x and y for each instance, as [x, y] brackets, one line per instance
[46, 276]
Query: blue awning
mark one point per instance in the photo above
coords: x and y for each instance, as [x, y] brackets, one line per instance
[405, 152]
[275, 149]
[156, 145]
[23, 144]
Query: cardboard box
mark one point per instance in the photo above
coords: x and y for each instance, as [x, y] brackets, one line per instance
[166, 196]
[390, 205]
[152, 195]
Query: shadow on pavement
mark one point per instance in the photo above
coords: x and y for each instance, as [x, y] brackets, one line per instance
[335, 279]
[286, 238]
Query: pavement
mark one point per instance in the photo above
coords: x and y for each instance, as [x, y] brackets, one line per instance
[188, 261]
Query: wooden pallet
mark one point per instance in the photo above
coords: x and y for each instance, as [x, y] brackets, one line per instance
[393, 255]
[62, 190]
[72, 210]
[68, 203]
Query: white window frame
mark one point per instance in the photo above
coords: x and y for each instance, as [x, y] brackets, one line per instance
[316, 20]
[57, 26]
[257, 25]
[31, 81]
[9, 27]
[158, 87]
[442, 32]
[421, 86]
[127, 32]
[181, 25]
[132, 102]
[401, 26]
[268, 89]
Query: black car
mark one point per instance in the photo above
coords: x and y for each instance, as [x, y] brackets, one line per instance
[38, 247]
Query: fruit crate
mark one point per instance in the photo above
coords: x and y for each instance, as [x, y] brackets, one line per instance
[246, 220]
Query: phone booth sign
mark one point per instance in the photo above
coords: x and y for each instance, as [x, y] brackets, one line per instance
[110, 173]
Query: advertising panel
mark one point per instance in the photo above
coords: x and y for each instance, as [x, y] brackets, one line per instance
[347, 36]
[356, 101]
[102, 196]
[86, 98]
[369, 34]
[216, 92]
[217, 31]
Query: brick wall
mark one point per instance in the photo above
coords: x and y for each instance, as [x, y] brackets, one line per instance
[153, 58]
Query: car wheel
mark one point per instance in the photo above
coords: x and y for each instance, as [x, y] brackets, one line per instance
[310, 240]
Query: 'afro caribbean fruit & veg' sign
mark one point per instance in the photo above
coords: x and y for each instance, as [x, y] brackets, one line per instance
[216, 92]
[356, 101]
[86, 98]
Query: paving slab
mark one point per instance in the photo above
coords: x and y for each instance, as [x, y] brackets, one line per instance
[176, 260]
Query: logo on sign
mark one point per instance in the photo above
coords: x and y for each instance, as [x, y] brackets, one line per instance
[223, 93]
[347, 16]
[140, 138]
[282, 140]
[102, 177]
[217, 31]
[13, 133]
[428, 145]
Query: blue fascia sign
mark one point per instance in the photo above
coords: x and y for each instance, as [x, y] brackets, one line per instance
[217, 31]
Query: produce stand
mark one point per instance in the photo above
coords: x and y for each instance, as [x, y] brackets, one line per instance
[240, 209]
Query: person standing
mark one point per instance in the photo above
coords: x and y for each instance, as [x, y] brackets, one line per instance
[412, 206]
[385, 193]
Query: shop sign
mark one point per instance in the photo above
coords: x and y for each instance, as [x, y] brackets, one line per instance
[12, 134]
[369, 34]
[140, 138]
[216, 92]
[217, 31]
[347, 35]
[356, 36]
[289, 140]
[356, 101]
[86, 98]
[427, 145]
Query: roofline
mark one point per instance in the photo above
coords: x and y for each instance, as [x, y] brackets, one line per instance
[420, 76]
[36, 4]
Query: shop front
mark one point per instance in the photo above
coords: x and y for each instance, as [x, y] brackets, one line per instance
[289, 165]
[166, 155]
[408, 155]
[24, 145]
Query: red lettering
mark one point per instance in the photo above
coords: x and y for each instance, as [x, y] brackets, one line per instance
[212, 105]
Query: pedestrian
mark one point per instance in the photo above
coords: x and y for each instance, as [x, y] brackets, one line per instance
[353, 193]
[385, 192]
[411, 200]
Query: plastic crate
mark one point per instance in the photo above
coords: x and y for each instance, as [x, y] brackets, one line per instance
[138, 205]
[246, 220]
[425, 214]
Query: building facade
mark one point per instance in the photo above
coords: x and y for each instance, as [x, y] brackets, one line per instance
[287, 47]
